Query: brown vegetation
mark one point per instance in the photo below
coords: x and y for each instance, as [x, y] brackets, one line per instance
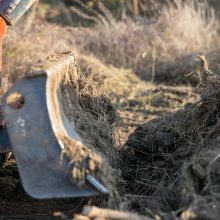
[169, 164]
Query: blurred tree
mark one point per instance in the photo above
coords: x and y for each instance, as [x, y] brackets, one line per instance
[136, 8]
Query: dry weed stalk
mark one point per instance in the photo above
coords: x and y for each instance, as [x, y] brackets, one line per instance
[178, 32]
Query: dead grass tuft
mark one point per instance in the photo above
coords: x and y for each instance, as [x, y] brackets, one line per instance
[164, 45]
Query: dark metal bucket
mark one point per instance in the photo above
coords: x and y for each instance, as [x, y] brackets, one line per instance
[35, 131]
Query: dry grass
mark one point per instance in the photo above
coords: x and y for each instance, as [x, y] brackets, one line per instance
[160, 49]
[166, 43]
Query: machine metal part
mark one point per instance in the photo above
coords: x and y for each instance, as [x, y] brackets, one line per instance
[32, 135]
[13, 10]
[3, 30]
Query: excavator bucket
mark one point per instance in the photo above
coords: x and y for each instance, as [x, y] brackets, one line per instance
[36, 129]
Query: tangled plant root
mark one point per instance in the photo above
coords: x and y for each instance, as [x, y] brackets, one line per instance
[173, 162]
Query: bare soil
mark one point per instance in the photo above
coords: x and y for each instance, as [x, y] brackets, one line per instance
[16, 204]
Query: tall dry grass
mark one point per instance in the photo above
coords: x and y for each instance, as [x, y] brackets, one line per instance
[167, 41]
[162, 48]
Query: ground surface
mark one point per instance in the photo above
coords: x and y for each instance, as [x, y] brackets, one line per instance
[16, 204]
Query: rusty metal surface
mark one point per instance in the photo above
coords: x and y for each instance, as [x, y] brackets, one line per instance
[35, 146]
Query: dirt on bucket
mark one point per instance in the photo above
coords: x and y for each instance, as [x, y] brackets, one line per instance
[88, 110]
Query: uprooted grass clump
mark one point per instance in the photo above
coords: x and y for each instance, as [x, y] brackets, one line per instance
[173, 162]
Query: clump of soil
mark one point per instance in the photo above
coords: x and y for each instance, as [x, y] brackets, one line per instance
[172, 162]
[201, 174]
[153, 161]
[202, 179]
